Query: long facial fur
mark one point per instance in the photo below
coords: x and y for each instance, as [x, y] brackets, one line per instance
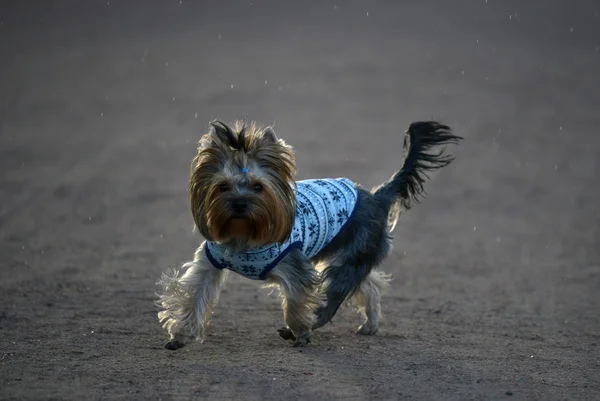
[222, 154]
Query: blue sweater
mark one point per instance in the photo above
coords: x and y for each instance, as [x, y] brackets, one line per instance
[323, 207]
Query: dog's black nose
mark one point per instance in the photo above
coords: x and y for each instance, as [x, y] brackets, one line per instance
[239, 206]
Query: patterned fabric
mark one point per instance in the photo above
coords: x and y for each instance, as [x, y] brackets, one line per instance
[323, 207]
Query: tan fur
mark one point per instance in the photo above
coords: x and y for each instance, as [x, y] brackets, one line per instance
[298, 302]
[188, 297]
[368, 300]
[218, 164]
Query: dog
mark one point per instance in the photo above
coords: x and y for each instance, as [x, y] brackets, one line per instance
[318, 242]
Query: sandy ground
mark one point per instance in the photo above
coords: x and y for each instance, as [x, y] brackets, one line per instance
[497, 274]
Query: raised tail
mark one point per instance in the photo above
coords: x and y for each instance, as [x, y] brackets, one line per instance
[406, 186]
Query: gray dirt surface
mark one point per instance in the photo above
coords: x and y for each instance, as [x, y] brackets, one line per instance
[497, 273]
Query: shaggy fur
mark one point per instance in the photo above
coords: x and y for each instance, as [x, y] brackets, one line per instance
[242, 196]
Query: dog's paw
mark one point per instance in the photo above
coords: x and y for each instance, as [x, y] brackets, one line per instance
[286, 333]
[303, 339]
[174, 344]
[367, 329]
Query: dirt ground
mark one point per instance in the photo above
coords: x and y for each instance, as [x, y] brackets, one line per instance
[497, 274]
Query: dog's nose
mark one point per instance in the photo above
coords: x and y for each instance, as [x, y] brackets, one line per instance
[239, 206]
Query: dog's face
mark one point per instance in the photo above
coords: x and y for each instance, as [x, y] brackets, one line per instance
[242, 186]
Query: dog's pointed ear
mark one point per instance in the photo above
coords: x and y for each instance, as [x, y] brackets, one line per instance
[269, 135]
[222, 133]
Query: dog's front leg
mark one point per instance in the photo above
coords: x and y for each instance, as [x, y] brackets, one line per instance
[188, 297]
[296, 278]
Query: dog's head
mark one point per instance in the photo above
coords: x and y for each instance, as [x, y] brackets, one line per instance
[242, 186]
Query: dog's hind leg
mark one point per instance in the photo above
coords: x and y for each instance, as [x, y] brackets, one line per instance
[368, 298]
[296, 279]
[188, 298]
[338, 283]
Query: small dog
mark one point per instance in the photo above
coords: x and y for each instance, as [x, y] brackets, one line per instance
[317, 241]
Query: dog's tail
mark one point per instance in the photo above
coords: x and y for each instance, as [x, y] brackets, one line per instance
[406, 186]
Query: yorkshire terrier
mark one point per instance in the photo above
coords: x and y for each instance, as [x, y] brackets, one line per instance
[318, 241]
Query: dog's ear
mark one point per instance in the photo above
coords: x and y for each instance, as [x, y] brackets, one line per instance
[222, 133]
[269, 135]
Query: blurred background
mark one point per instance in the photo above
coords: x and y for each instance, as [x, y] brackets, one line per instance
[497, 271]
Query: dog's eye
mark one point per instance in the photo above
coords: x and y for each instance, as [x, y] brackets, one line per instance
[257, 187]
[223, 187]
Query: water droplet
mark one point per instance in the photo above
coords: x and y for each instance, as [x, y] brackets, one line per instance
[463, 72]
[161, 236]
[101, 114]
[556, 167]
[173, 98]
[195, 115]
[279, 88]
[22, 246]
[367, 13]
[509, 16]
[335, 7]
[475, 228]
[90, 218]
[560, 128]
[166, 64]
[266, 82]
[219, 36]
[572, 29]
[498, 239]
[231, 86]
